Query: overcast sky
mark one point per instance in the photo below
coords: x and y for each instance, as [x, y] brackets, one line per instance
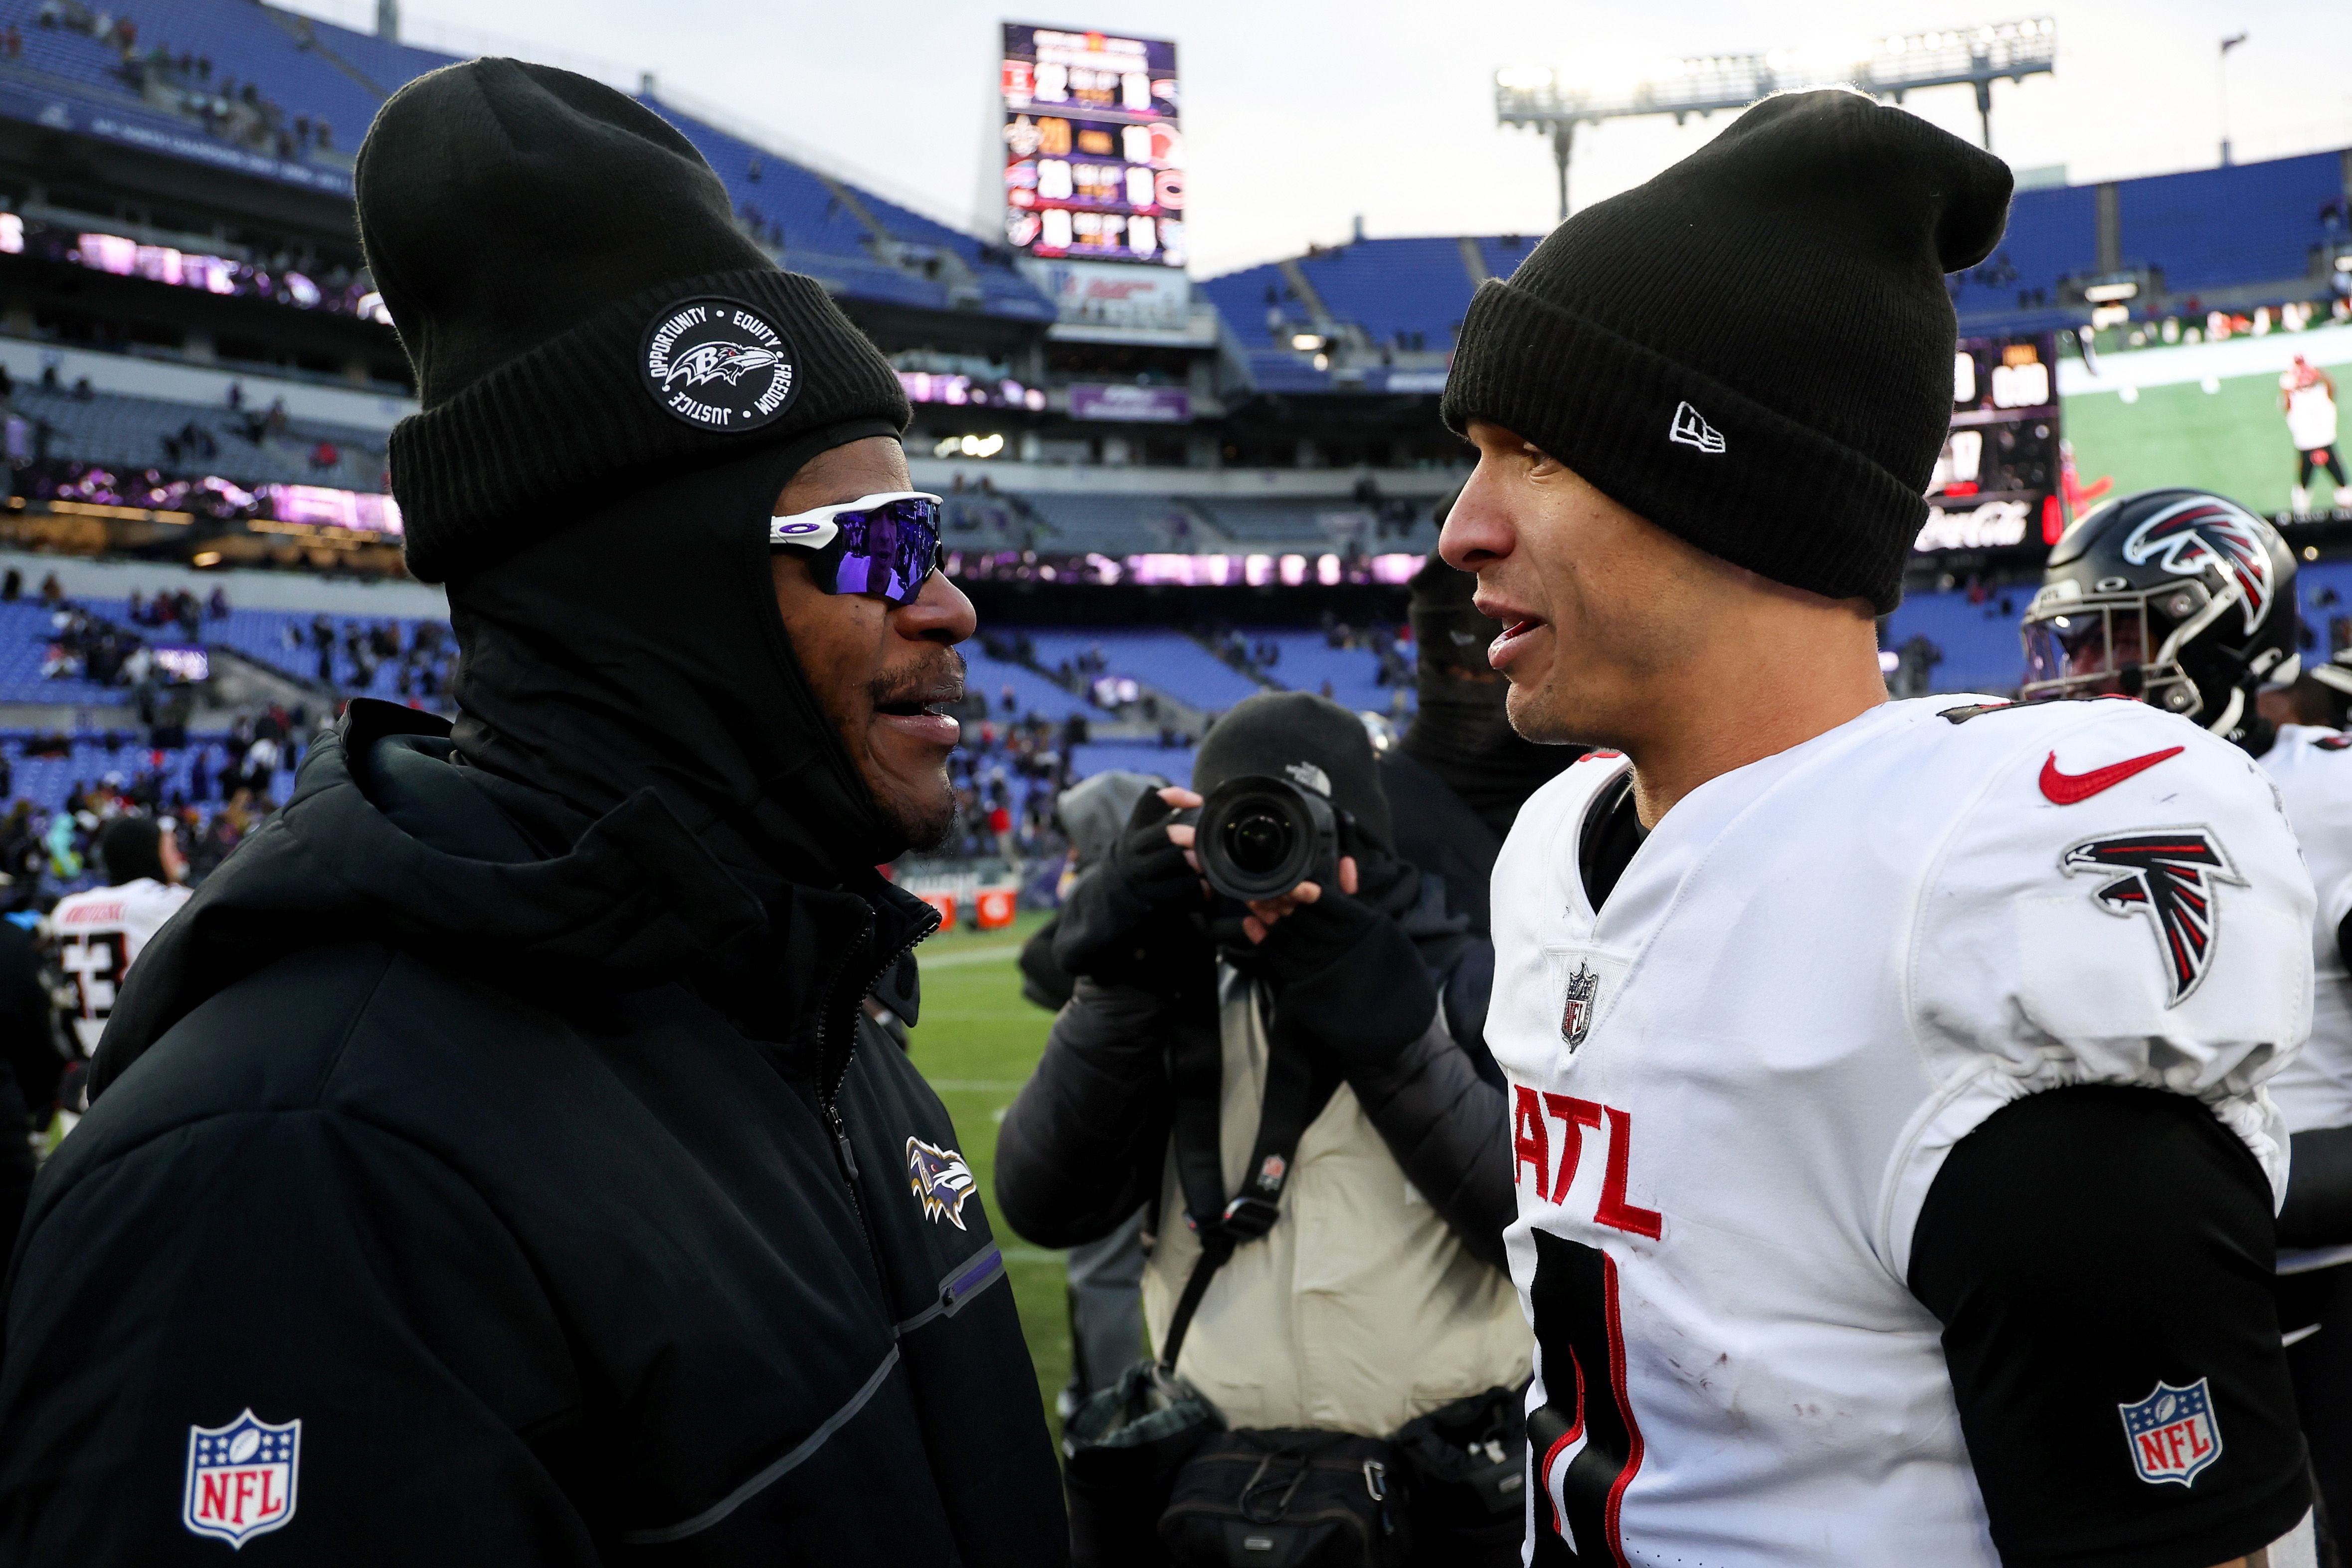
[1301, 116]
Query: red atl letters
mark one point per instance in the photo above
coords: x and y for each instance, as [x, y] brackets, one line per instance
[1531, 1115]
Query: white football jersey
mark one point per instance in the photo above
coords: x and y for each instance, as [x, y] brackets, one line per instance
[1733, 1087]
[100, 932]
[2310, 414]
[2312, 769]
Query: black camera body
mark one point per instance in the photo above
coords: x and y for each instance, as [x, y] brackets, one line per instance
[1259, 836]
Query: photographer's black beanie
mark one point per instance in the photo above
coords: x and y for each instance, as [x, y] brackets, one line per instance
[1310, 740]
[553, 253]
[1753, 350]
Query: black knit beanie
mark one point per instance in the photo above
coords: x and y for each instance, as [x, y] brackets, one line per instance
[580, 309]
[1753, 350]
[1310, 740]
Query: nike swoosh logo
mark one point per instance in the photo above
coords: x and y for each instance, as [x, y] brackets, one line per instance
[2068, 788]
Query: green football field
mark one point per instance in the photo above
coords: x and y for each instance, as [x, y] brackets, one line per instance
[2231, 441]
[978, 1044]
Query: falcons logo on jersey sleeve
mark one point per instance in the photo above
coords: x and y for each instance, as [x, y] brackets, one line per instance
[2170, 875]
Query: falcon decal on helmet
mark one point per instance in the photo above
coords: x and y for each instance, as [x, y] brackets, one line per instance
[2202, 531]
[941, 1179]
[2170, 875]
[2181, 599]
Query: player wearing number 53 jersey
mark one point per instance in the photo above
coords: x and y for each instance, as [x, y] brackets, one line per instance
[100, 930]
[1895, 1174]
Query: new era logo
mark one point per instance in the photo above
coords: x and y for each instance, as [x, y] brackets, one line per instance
[1691, 429]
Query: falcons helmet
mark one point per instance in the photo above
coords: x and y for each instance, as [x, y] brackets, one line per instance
[2181, 599]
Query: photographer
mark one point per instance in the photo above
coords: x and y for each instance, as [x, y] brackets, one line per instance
[1348, 1304]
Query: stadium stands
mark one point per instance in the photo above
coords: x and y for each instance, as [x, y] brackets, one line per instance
[1113, 524]
[1173, 763]
[1157, 657]
[25, 637]
[1032, 692]
[47, 780]
[282, 640]
[1979, 643]
[2052, 234]
[2214, 228]
[109, 427]
[1309, 663]
[1404, 293]
[316, 71]
[2248, 225]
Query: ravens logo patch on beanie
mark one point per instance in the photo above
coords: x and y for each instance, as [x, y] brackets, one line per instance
[718, 364]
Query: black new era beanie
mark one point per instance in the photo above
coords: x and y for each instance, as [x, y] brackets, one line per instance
[1753, 350]
[581, 312]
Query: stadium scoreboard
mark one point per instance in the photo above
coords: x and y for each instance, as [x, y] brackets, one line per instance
[1997, 482]
[1094, 157]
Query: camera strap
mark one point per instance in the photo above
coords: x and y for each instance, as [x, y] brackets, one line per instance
[1196, 1063]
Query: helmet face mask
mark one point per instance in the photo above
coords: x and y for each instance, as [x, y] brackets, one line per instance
[2175, 598]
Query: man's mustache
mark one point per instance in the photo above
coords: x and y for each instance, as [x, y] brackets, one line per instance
[930, 681]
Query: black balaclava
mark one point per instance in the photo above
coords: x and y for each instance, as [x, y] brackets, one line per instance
[1461, 733]
[642, 647]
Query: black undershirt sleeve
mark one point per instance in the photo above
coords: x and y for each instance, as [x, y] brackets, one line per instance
[2079, 1247]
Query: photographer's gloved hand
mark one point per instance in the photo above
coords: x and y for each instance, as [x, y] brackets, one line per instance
[1346, 977]
[1129, 919]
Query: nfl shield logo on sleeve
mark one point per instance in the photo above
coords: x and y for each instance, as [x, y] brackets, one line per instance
[2172, 1433]
[241, 1477]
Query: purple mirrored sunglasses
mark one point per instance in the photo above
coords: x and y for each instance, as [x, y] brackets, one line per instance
[886, 545]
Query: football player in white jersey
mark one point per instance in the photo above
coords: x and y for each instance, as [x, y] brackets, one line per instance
[2186, 602]
[99, 932]
[1895, 1181]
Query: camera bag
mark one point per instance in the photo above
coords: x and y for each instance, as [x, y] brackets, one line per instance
[1289, 1498]
[1469, 1467]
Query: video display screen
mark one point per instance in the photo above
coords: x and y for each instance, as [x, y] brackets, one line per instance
[1094, 156]
[1996, 482]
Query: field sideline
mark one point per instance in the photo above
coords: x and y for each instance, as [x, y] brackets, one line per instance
[978, 1044]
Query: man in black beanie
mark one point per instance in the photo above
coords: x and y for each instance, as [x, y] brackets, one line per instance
[494, 1162]
[1889, 1190]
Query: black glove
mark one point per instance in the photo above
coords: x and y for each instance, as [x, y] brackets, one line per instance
[1347, 980]
[1133, 919]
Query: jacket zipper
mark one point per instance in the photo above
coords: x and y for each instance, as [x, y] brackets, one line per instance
[845, 1158]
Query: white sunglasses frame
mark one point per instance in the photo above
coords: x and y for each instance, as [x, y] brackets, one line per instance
[814, 529]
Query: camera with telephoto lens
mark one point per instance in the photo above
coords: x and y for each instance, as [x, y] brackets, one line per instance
[1259, 837]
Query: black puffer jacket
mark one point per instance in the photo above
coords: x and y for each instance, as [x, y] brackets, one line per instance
[415, 1135]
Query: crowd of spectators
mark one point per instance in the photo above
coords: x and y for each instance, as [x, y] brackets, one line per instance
[1006, 775]
[422, 660]
[235, 112]
[1260, 657]
[215, 792]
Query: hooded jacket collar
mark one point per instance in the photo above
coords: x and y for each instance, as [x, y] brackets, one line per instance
[634, 900]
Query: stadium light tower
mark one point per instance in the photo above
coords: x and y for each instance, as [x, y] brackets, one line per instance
[1550, 99]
